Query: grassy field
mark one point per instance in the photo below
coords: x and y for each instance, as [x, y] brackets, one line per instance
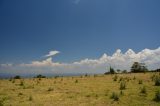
[95, 90]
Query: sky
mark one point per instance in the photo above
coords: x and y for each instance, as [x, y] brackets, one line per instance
[75, 30]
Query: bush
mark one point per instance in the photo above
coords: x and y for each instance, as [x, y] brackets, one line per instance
[122, 85]
[143, 90]
[30, 98]
[140, 82]
[50, 89]
[121, 92]
[157, 96]
[17, 77]
[114, 96]
[157, 81]
[21, 83]
[1, 103]
[40, 76]
[76, 81]
[134, 78]
[115, 78]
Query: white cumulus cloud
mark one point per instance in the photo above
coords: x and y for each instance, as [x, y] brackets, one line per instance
[52, 53]
[118, 60]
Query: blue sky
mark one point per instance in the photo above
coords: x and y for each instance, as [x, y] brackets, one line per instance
[81, 29]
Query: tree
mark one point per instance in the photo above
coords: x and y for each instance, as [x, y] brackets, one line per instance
[17, 77]
[138, 67]
[112, 70]
[118, 70]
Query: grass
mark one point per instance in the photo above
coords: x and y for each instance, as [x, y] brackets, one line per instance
[88, 91]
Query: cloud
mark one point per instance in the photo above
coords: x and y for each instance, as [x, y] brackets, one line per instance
[52, 53]
[118, 60]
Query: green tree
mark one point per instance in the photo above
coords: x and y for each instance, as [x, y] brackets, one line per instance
[112, 70]
[138, 67]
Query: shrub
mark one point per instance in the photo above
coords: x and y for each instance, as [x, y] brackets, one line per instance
[13, 81]
[30, 98]
[114, 96]
[1, 103]
[134, 78]
[140, 82]
[94, 75]
[20, 94]
[76, 81]
[50, 89]
[143, 90]
[120, 79]
[21, 83]
[157, 96]
[157, 81]
[115, 78]
[40, 76]
[121, 92]
[17, 77]
[122, 85]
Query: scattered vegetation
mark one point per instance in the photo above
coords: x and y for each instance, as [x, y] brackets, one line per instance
[143, 90]
[115, 78]
[76, 81]
[17, 77]
[138, 67]
[101, 90]
[50, 89]
[157, 96]
[30, 98]
[123, 85]
[114, 96]
[140, 82]
[40, 76]
[157, 81]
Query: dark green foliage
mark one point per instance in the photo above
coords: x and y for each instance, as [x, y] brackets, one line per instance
[138, 67]
[157, 81]
[40, 76]
[140, 82]
[17, 77]
[143, 90]
[114, 96]
[122, 85]
[112, 70]
[157, 96]
[86, 75]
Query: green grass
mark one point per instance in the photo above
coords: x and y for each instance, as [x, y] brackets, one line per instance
[81, 91]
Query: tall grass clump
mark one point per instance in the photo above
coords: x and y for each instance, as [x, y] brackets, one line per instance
[157, 81]
[157, 96]
[140, 82]
[122, 85]
[114, 96]
[115, 78]
[143, 90]
[30, 98]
